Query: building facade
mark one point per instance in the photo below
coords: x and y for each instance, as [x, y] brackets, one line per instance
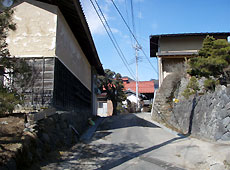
[105, 106]
[145, 92]
[53, 36]
[172, 50]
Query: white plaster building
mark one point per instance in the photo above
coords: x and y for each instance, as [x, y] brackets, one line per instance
[54, 37]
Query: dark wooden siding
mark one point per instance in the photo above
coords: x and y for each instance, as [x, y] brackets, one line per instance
[69, 92]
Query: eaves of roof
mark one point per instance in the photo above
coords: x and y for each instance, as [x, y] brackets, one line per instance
[192, 34]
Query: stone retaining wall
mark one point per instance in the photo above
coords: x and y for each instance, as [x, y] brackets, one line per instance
[205, 115]
[56, 131]
[208, 115]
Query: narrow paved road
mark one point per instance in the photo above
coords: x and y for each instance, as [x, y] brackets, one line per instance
[133, 142]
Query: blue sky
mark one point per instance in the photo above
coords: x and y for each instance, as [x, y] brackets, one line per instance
[151, 17]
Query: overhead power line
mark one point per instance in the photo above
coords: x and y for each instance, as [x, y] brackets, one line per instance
[112, 38]
[133, 18]
[112, 33]
[133, 34]
[127, 13]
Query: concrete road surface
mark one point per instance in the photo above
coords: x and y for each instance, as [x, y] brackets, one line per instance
[135, 142]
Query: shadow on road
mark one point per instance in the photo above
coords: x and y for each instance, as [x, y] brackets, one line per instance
[103, 156]
[124, 121]
[106, 155]
[136, 154]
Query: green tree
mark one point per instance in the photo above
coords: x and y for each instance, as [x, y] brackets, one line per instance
[15, 70]
[112, 84]
[213, 58]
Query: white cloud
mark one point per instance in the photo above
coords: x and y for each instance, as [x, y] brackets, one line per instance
[139, 15]
[126, 36]
[106, 5]
[121, 1]
[154, 26]
[92, 18]
[114, 30]
[139, 0]
[95, 25]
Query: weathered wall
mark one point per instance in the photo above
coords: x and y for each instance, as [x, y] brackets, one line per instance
[36, 24]
[109, 108]
[171, 65]
[43, 31]
[179, 44]
[40, 90]
[69, 52]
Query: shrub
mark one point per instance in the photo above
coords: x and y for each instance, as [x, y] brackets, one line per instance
[120, 109]
[191, 88]
[193, 84]
[8, 100]
[210, 84]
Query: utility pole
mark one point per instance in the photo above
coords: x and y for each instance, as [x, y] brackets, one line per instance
[137, 48]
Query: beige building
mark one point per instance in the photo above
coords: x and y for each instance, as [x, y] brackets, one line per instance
[172, 49]
[53, 36]
[105, 106]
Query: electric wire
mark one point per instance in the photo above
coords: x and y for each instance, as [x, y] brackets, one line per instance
[133, 19]
[133, 35]
[114, 44]
[139, 17]
[127, 13]
[113, 35]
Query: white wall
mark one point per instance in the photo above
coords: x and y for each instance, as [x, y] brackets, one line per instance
[102, 111]
[43, 31]
[69, 52]
[36, 24]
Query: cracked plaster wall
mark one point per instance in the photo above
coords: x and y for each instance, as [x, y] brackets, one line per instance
[35, 35]
[43, 32]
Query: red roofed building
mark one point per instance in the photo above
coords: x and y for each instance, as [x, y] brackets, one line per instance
[145, 88]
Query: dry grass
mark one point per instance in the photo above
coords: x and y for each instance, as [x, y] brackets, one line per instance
[11, 129]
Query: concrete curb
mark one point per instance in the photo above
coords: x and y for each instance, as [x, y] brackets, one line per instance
[87, 135]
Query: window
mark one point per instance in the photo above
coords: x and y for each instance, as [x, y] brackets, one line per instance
[100, 105]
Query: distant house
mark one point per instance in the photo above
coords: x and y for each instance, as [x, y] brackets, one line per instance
[145, 90]
[144, 87]
[172, 49]
[105, 106]
[53, 36]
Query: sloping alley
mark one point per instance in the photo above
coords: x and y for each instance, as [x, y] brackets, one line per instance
[133, 141]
